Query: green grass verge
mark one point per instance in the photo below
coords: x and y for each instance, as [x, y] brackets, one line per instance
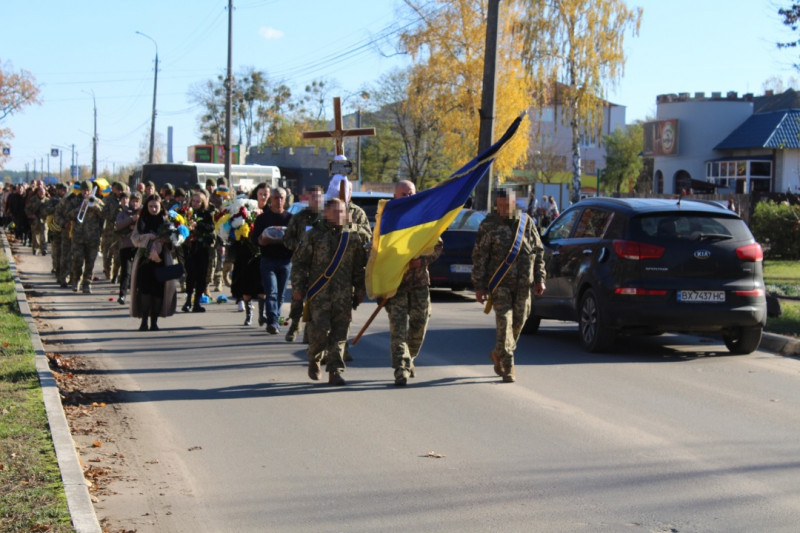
[31, 492]
[782, 278]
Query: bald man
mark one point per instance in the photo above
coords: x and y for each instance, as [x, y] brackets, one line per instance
[410, 309]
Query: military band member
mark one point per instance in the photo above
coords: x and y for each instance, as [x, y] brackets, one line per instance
[86, 238]
[507, 260]
[328, 271]
[48, 211]
[66, 221]
[108, 242]
[32, 206]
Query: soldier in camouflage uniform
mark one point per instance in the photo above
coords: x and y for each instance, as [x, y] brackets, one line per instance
[331, 308]
[410, 308]
[32, 206]
[298, 225]
[86, 239]
[65, 221]
[54, 230]
[511, 299]
[108, 241]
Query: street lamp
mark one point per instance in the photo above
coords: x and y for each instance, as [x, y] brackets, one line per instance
[155, 87]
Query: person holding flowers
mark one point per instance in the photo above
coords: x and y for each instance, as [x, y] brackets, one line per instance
[235, 225]
[154, 236]
[197, 248]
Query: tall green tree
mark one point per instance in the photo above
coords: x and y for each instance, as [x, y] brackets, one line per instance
[623, 163]
[578, 43]
[18, 89]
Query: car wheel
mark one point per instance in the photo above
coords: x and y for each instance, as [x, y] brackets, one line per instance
[743, 340]
[595, 337]
[531, 325]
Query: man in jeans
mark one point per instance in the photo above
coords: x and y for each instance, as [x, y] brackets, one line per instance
[275, 257]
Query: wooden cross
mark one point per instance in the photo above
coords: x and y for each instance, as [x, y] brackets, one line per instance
[338, 133]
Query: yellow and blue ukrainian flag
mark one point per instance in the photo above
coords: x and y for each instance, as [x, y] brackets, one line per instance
[408, 227]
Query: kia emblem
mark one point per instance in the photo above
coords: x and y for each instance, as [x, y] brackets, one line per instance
[702, 254]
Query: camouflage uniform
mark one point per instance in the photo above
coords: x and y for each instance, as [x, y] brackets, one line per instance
[32, 206]
[511, 300]
[86, 243]
[66, 220]
[47, 210]
[331, 308]
[358, 218]
[108, 242]
[409, 310]
[298, 225]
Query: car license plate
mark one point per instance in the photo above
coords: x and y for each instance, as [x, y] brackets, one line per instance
[713, 297]
[461, 269]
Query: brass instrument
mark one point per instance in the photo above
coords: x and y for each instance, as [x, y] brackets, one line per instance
[85, 205]
[52, 225]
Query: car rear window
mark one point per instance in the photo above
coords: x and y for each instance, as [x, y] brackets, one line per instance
[688, 226]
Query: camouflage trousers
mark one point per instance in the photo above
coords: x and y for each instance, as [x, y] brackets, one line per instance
[65, 257]
[84, 254]
[409, 311]
[55, 252]
[107, 248]
[511, 310]
[37, 236]
[327, 333]
[214, 274]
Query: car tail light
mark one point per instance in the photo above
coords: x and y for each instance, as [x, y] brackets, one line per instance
[753, 293]
[638, 250]
[750, 252]
[638, 291]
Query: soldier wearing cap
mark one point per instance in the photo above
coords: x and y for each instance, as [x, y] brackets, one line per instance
[32, 206]
[48, 211]
[86, 235]
[503, 274]
[65, 221]
[108, 242]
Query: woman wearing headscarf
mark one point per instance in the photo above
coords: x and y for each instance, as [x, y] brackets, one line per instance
[152, 298]
[197, 251]
[246, 275]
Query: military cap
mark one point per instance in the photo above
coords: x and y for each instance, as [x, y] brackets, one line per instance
[86, 185]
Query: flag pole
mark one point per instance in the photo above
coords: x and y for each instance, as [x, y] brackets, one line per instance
[369, 321]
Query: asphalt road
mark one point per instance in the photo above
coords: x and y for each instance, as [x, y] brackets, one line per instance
[224, 431]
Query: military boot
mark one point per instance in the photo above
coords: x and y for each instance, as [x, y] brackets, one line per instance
[314, 370]
[508, 374]
[291, 335]
[498, 366]
[401, 376]
[335, 378]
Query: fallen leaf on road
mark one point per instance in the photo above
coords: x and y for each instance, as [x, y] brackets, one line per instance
[434, 455]
[195, 448]
[97, 444]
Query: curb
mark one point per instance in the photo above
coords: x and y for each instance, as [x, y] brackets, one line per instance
[780, 345]
[81, 509]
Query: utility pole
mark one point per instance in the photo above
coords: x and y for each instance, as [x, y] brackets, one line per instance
[229, 96]
[483, 200]
[155, 91]
[94, 141]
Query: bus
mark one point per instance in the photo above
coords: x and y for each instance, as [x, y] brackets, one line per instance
[187, 174]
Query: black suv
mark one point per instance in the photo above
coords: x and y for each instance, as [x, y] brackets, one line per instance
[627, 266]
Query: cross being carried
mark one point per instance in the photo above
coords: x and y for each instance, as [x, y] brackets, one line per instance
[338, 133]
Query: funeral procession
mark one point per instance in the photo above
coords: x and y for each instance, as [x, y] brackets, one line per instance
[413, 265]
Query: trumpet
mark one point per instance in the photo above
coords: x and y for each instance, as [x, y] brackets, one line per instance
[85, 205]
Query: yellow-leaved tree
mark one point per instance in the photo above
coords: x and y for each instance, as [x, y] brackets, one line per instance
[575, 48]
[17, 90]
[445, 80]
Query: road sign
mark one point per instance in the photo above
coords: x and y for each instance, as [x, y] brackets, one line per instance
[73, 171]
[53, 152]
[6, 151]
[344, 168]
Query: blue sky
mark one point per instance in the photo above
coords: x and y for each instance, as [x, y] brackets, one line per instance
[76, 48]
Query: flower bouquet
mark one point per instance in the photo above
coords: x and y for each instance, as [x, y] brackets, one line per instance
[235, 220]
[176, 229]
